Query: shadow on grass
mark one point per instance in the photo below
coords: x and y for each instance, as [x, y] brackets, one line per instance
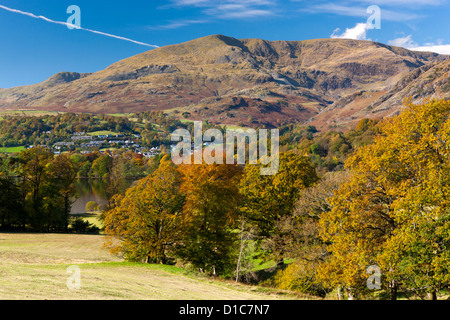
[86, 215]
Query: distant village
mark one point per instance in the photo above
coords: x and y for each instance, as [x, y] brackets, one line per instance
[86, 143]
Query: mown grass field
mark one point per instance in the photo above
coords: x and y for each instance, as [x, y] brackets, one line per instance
[11, 149]
[92, 218]
[34, 266]
[102, 133]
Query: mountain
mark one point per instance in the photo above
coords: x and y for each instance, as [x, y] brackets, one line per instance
[325, 82]
[429, 81]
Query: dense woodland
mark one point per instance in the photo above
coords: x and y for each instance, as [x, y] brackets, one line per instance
[376, 195]
[387, 207]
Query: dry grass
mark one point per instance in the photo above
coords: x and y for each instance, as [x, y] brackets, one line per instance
[52, 249]
[34, 266]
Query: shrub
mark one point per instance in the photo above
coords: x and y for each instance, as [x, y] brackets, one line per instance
[300, 276]
[92, 206]
[79, 225]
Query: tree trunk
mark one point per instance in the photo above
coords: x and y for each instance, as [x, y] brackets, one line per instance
[350, 294]
[339, 293]
[241, 249]
[66, 212]
[393, 290]
[432, 295]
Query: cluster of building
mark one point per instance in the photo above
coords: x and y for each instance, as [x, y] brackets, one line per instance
[88, 143]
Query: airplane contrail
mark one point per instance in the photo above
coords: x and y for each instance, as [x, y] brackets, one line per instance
[74, 26]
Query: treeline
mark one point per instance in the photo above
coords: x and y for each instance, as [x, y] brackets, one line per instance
[48, 129]
[388, 212]
[96, 165]
[327, 150]
[38, 186]
[38, 196]
[196, 213]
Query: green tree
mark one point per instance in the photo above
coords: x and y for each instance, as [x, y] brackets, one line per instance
[101, 166]
[266, 199]
[61, 174]
[32, 170]
[12, 213]
[92, 206]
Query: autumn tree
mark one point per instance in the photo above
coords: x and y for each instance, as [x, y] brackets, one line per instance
[42, 190]
[61, 174]
[299, 239]
[267, 199]
[32, 171]
[394, 210]
[209, 240]
[143, 225]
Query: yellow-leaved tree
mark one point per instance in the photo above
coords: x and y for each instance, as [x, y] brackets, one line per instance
[394, 212]
[268, 199]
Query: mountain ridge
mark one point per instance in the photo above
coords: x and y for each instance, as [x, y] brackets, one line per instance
[239, 81]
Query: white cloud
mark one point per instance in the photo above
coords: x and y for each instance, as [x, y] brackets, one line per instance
[441, 49]
[358, 32]
[405, 2]
[226, 5]
[175, 24]
[190, 2]
[400, 4]
[405, 42]
[224, 9]
[234, 10]
[359, 11]
[210, 3]
[408, 43]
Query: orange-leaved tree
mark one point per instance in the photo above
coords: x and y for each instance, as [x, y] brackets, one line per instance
[143, 225]
[210, 216]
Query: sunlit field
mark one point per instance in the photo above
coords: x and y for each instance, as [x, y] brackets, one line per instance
[35, 266]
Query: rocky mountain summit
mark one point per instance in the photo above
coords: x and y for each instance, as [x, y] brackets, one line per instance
[330, 83]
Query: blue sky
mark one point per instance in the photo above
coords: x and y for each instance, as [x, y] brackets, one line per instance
[35, 41]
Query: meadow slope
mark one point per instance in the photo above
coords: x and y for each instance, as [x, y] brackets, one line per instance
[34, 266]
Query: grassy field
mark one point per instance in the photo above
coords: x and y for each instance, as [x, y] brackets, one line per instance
[91, 217]
[102, 133]
[34, 266]
[36, 113]
[11, 149]
[120, 115]
[28, 113]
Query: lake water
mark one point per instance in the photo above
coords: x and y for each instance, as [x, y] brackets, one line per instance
[91, 190]
[88, 190]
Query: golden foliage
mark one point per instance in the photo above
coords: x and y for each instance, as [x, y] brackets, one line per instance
[394, 210]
